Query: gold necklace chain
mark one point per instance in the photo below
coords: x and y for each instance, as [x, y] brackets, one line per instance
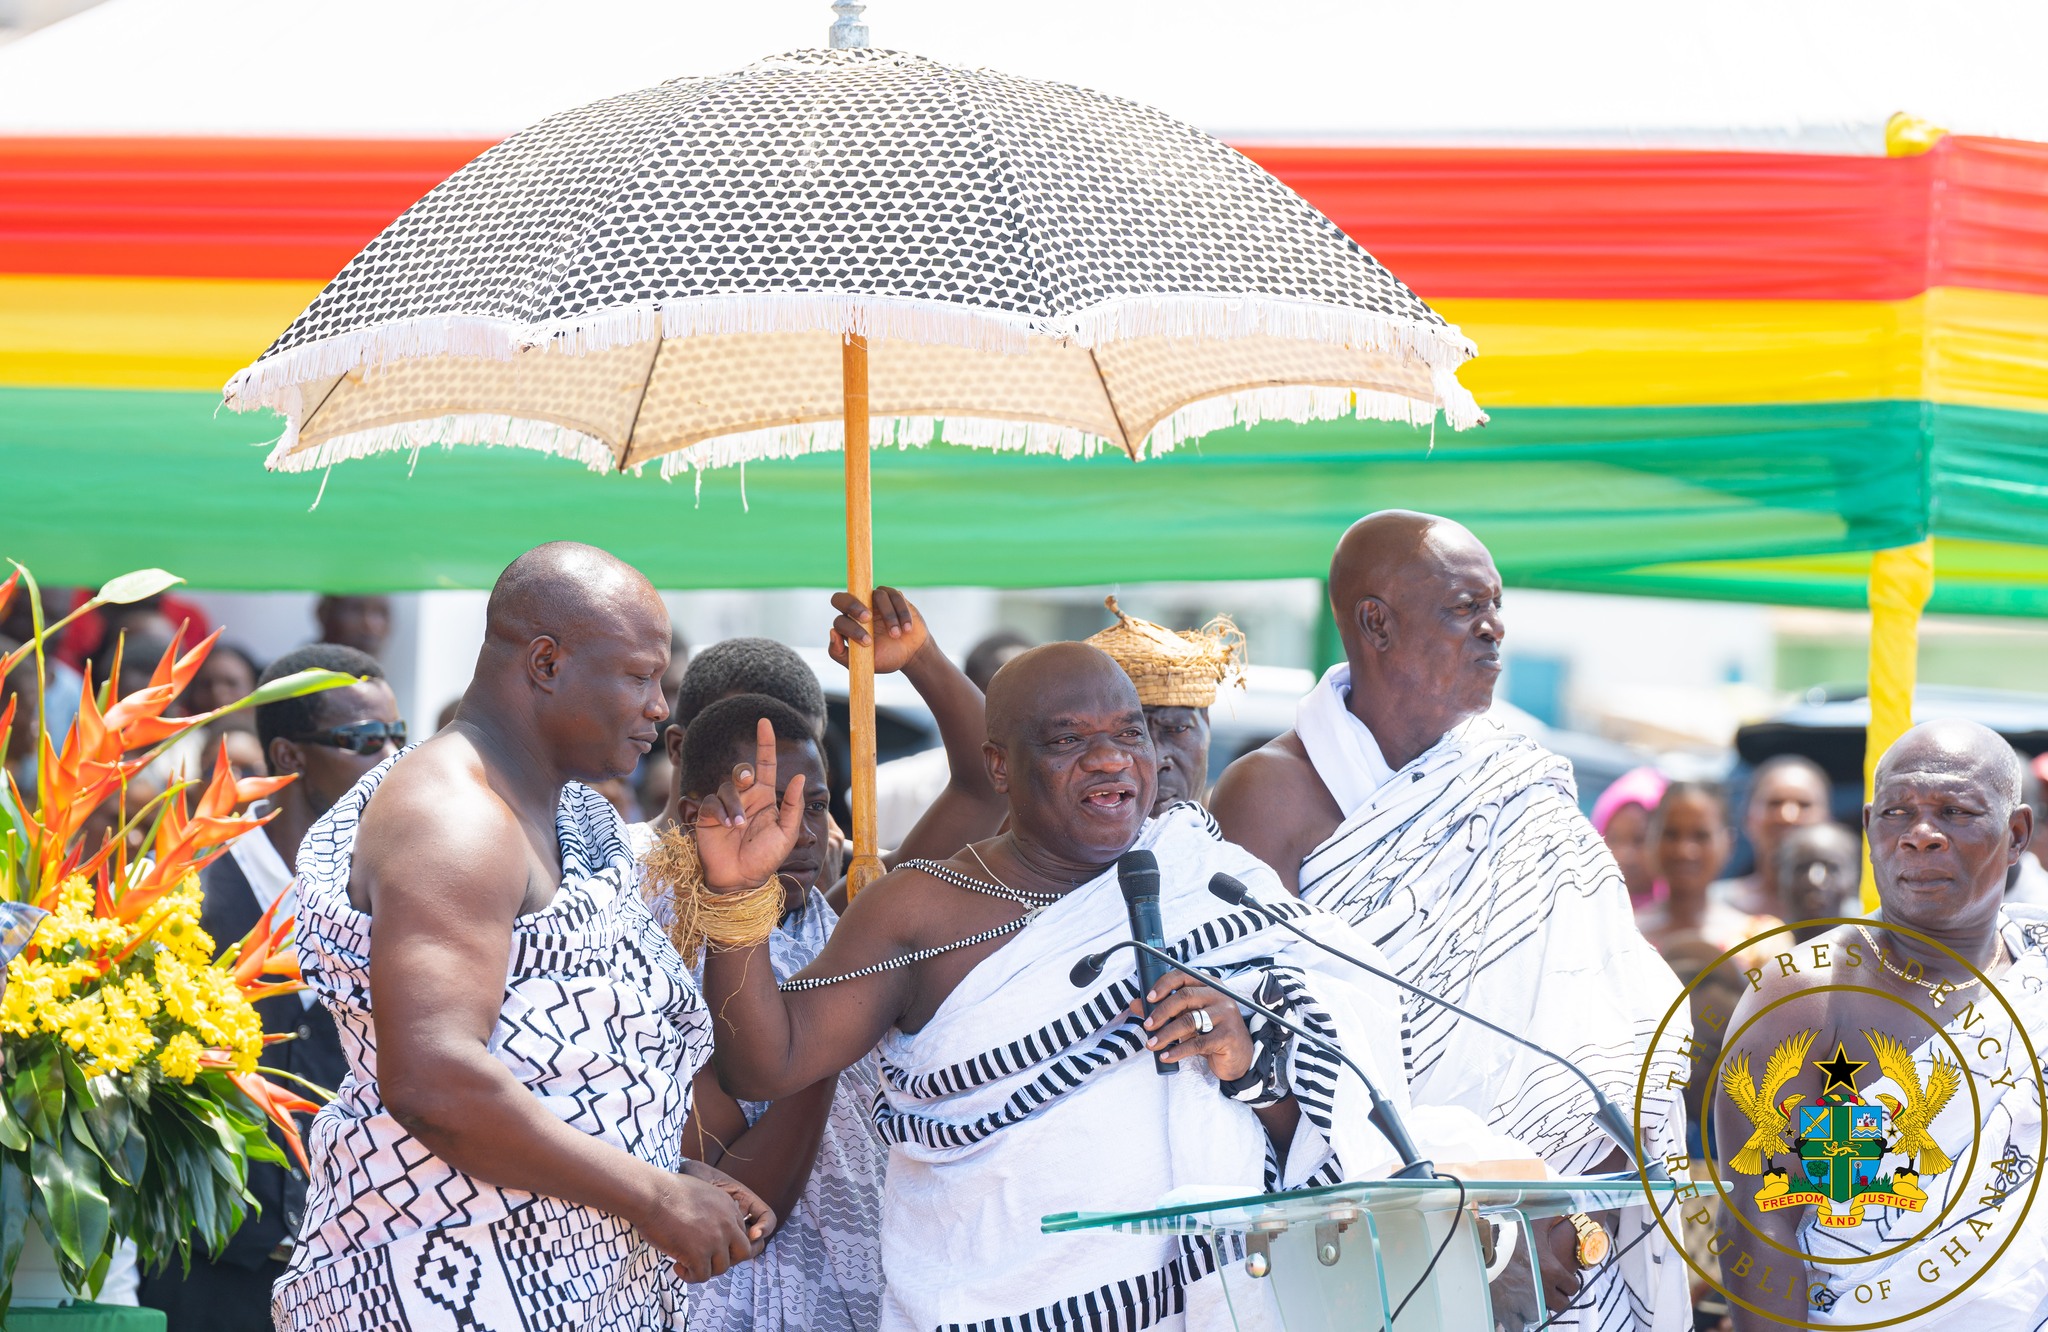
[1930, 986]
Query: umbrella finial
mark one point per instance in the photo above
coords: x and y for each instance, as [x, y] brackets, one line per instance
[848, 32]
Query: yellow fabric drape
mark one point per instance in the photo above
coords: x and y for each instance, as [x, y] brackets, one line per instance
[1901, 580]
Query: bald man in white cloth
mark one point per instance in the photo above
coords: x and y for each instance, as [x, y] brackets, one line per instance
[1936, 1010]
[1457, 847]
[1012, 1086]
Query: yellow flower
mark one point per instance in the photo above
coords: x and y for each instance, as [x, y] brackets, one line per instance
[33, 987]
[180, 1057]
[179, 985]
[181, 935]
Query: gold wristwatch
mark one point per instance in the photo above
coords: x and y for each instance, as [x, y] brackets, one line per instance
[1593, 1241]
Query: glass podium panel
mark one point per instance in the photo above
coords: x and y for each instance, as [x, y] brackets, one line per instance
[1347, 1256]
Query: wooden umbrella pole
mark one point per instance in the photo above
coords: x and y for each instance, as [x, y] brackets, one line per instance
[866, 864]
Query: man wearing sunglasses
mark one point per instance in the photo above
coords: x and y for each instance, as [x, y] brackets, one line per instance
[330, 740]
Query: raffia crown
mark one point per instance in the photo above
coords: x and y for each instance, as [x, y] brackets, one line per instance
[1174, 669]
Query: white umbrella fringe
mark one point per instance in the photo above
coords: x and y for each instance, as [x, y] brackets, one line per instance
[1244, 408]
[276, 381]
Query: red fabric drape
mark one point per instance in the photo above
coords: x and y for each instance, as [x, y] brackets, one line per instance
[1473, 222]
[230, 208]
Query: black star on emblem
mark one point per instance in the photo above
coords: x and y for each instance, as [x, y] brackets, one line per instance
[1841, 1070]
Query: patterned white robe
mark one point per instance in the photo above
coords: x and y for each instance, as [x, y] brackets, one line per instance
[600, 1021]
[1025, 1096]
[1474, 871]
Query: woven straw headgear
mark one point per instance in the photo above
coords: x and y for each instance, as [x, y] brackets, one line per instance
[1174, 670]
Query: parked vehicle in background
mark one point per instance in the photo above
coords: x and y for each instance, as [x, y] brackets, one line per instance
[1829, 724]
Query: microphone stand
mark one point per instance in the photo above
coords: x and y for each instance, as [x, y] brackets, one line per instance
[1383, 1114]
[1606, 1112]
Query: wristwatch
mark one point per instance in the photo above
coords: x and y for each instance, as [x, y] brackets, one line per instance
[1593, 1241]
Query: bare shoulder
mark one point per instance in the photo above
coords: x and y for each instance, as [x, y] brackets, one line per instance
[436, 824]
[1783, 969]
[1272, 803]
[1280, 767]
[889, 911]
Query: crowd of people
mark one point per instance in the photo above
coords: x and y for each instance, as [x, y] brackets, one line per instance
[609, 1044]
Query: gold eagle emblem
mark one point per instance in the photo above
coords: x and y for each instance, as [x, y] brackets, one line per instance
[1759, 1103]
[1910, 1121]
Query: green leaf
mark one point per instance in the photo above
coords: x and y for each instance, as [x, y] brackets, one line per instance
[69, 1185]
[134, 1155]
[111, 1125]
[10, 847]
[290, 686]
[97, 1277]
[75, 1079]
[81, 1133]
[38, 1095]
[13, 1133]
[14, 1217]
[131, 587]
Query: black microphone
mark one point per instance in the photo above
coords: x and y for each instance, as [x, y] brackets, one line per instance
[1606, 1112]
[1383, 1114]
[1137, 874]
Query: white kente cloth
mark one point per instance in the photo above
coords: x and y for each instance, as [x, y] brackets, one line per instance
[822, 1269]
[599, 1021]
[1997, 1155]
[1025, 1096]
[1473, 869]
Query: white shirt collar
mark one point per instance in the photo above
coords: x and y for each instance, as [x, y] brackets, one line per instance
[269, 877]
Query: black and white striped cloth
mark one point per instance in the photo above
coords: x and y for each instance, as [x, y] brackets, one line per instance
[1024, 1096]
[1474, 871]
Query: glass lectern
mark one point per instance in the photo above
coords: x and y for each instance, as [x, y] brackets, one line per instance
[1341, 1258]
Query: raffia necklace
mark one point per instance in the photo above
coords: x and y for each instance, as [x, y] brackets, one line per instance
[1931, 987]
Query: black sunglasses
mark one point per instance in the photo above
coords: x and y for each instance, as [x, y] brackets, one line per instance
[363, 737]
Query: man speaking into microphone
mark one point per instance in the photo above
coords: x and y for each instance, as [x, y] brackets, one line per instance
[1018, 1084]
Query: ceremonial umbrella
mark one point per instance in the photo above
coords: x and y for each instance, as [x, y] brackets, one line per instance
[849, 241]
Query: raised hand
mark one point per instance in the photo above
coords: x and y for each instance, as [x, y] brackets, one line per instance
[742, 835]
[900, 635]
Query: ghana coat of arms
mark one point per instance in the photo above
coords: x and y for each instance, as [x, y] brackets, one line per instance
[1839, 1142]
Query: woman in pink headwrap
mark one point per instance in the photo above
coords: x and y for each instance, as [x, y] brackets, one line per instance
[1622, 818]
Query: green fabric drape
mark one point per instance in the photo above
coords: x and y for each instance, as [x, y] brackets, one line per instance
[1775, 503]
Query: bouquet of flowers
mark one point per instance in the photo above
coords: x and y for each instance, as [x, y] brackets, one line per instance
[131, 1096]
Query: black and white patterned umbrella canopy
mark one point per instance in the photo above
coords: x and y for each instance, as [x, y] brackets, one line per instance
[668, 275]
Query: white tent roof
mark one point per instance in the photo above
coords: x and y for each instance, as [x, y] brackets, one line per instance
[1818, 74]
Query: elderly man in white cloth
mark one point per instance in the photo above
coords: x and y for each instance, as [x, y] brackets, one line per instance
[1922, 1027]
[1457, 847]
[506, 1151]
[1014, 1087]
